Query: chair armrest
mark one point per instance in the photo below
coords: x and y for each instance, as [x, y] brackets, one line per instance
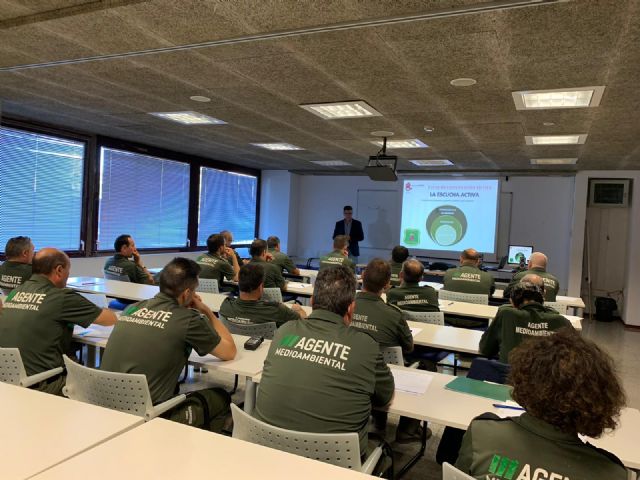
[165, 406]
[371, 461]
[39, 377]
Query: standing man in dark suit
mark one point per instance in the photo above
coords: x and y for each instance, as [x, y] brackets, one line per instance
[352, 229]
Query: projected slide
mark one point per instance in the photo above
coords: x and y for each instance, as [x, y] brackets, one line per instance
[449, 214]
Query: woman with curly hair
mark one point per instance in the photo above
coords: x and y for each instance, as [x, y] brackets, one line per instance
[567, 386]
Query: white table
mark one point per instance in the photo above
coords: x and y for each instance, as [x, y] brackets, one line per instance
[455, 409]
[161, 449]
[487, 312]
[448, 338]
[297, 288]
[41, 430]
[248, 363]
[113, 288]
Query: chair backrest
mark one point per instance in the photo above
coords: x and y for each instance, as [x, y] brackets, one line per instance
[489, 370]
[272, 295]
[11, 367]
[436, 318]
[463, 297]
[449, 472]
[98, 299]
[341, 449]
[115, 276]
[266, 330]
[561, 308]
[208, 285]
[126, 392]
[392, 355]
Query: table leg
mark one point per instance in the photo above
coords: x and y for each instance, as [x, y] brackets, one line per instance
[418, 455]
[92, 350]
[250, 390]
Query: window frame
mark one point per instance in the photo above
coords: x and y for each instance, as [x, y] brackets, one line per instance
[87, 140]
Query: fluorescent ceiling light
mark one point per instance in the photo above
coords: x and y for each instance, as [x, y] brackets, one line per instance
[573, 139]
[188, 118]
[331, 163]
[581, 97]
[277, 146]
[408, 143]
[431, 163]
[553, 161]
[332, 111]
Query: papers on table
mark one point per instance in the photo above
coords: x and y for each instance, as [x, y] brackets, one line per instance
[91, 332]
[507, 409]
[415, 331]
[299, 285]
[411, 382]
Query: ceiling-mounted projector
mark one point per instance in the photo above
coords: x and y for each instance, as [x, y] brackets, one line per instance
[382, 167]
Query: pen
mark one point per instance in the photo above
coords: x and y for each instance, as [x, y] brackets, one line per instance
[509, 407]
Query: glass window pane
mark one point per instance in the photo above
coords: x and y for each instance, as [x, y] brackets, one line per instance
[145, 197]
[227, 202]
[40, 188]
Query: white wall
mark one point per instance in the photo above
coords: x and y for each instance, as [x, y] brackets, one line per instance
[631, 305]
[92, 266]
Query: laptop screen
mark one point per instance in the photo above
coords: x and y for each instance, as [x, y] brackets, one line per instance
[516, 252]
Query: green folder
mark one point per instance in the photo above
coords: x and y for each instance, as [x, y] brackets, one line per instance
[501, 393]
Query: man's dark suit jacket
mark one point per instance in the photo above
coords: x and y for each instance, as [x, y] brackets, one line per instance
[357, 235]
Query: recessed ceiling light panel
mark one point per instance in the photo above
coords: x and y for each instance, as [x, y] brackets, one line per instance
[553, 161]
[331, 163]
[408, 143]
[463, 82]
[189, 118]
[432, 163]
[277, 146]
[336, 110]
[573, 139]
[199, 98]
[581, 97]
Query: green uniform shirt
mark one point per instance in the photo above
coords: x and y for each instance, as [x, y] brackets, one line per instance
[396, 268]
[248, 312]
[13, 274]
[551, 284]
[468, 279]
[272, 274]
[121, 265]
[336, 258]
[385, 323]
[216, 267]
[283, 261]
[321, 376]
[155, 337]
[38, 319]
[526, 448]
[414, 298]
[512, 325]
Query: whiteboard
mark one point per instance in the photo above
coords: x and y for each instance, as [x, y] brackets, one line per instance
[378, 212]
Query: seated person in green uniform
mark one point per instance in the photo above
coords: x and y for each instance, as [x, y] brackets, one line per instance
[385, 323]
[155, 337]
[219, 262]
[16, 269]
[538, 266]
[468, 278]
[320, 375]
[249, 309]
[568, 387]
[272, 274]
[339, 256]
[410, 295]
[525, 317]
[398, 255]
[280, 258]
[228, 240]
[120, 263]
[39, 315]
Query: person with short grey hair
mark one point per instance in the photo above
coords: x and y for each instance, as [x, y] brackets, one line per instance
[16, 269]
